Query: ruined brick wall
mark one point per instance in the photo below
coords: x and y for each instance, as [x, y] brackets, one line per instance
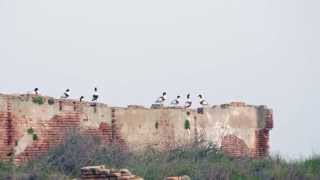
[6, 129]
[28, 129]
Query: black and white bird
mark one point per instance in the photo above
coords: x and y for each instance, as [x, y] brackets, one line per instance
[176, 102]
[95, 95]
[81, 98]
[36, 91]
[66, 94]
[162, 98]
[202, 101]
[188, 102]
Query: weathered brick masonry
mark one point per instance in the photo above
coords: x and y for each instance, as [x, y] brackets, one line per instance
[28, 128]
[102, 173]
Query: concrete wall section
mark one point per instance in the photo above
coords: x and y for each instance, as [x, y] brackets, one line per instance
[161, 128]
[233, 127]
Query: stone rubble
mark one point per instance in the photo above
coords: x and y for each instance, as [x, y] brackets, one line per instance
[178, 178]
[102, 173]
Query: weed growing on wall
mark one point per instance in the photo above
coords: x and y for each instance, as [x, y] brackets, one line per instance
[30, 131]
[38, 100]
[186, 124]
[35, 137]
[156, 125]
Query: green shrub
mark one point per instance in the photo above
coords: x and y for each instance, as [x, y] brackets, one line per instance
[35, 137]
[38, 100]
[186, 124]
[30, 131]
[76, 152]
[5, 170]
[312, 165]
[198, 161]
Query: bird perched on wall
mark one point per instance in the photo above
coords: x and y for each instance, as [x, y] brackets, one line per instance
[162, 98]
[66, 94]
[188, 102]
[81, 98]
[202, 101]
[36, 91]
[176, 101]
[95, 95]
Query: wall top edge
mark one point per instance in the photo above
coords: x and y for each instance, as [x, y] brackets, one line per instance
[26, 97]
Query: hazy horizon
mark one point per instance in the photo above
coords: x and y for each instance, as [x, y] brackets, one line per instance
[260, 52]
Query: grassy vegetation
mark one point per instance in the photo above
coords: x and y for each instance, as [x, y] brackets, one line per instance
[38, 100]
[197, 161]
[35, 137]
[30, 131]
[186, 124]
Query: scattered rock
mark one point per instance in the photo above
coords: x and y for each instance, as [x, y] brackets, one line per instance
[102, 173]
[178, 178]
[125, 172]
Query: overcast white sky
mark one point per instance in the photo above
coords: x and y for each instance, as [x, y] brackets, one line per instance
[260, 52]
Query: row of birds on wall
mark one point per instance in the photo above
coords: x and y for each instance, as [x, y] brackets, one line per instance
[160, 101]
[178, 102]
[66, 94]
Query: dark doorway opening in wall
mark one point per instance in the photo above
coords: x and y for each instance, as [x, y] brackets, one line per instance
[60, 105]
